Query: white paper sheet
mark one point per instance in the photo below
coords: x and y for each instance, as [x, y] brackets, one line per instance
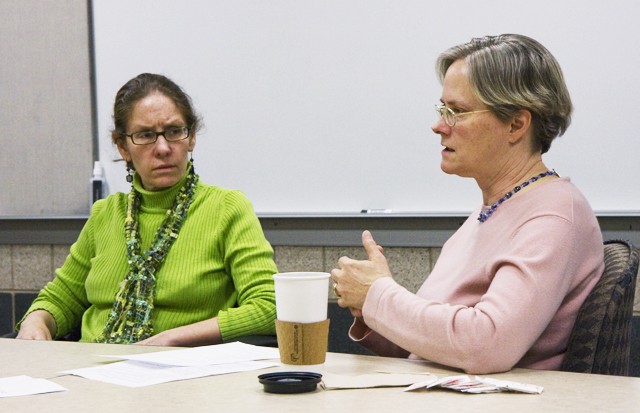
[26, 385]
[205, 355]
[132, 373]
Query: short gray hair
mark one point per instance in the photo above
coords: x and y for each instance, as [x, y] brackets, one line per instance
[510, 72]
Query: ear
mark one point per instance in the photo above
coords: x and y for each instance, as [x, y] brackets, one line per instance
[520, 125]
[122, 148]
[192, 141]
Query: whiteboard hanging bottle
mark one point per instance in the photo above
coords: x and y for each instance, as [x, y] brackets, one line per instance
[98, 183]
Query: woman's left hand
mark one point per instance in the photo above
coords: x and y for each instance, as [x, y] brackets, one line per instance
[354, 277]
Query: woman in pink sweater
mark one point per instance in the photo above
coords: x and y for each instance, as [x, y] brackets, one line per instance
[508, 284]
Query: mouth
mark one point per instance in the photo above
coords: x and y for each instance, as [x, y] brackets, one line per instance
[163, 168]
[448, 149]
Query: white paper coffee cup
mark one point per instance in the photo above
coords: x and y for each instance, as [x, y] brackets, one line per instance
[301, 297]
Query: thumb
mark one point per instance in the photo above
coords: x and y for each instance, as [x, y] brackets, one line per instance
[372, 249]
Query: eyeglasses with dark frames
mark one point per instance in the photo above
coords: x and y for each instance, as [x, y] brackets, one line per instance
[147, 137]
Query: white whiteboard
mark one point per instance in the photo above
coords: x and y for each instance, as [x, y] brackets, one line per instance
[326, 106]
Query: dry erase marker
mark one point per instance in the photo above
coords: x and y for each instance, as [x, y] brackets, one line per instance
[98, 184]
[376, 211]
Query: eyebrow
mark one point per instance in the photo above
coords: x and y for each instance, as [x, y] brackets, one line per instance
[451, 102]
[172, 122]
[457, 104]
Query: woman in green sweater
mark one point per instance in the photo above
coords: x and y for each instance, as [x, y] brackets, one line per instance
[175, 262]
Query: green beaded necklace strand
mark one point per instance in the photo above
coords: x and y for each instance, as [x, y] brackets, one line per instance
[131, 319]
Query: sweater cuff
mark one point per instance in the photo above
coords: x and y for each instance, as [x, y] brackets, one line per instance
[62, 326]
[373, 299]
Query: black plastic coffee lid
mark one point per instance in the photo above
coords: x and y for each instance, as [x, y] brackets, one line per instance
[287, 382]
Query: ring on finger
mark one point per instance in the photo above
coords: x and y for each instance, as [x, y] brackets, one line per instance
[335, 291]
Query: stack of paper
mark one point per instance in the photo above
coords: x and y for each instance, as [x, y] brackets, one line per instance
[424, 381]
[478, 384]
[163, 366]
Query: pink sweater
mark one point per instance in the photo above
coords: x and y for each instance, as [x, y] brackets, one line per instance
[503, 293]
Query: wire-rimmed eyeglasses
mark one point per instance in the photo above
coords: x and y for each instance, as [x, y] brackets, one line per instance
[450, 117]
[173, 134]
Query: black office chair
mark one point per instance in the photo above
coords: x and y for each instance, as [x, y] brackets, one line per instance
[600, 341]
[263, 341]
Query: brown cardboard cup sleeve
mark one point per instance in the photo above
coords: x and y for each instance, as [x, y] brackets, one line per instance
[302, 343]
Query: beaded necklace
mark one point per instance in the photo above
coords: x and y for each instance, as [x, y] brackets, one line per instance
[131, 318]
[483, 216]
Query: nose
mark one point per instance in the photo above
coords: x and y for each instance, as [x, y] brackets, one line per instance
[440, 126]
[163, 144]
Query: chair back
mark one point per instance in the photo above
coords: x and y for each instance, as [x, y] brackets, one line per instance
[600, 341]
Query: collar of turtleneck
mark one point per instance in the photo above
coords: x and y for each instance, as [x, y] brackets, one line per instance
[162, 199]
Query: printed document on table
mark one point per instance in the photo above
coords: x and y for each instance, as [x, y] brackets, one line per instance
[163, 366]
[205, 355]
[133, 373]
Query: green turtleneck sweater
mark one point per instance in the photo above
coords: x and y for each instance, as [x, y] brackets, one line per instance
[220, 265]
